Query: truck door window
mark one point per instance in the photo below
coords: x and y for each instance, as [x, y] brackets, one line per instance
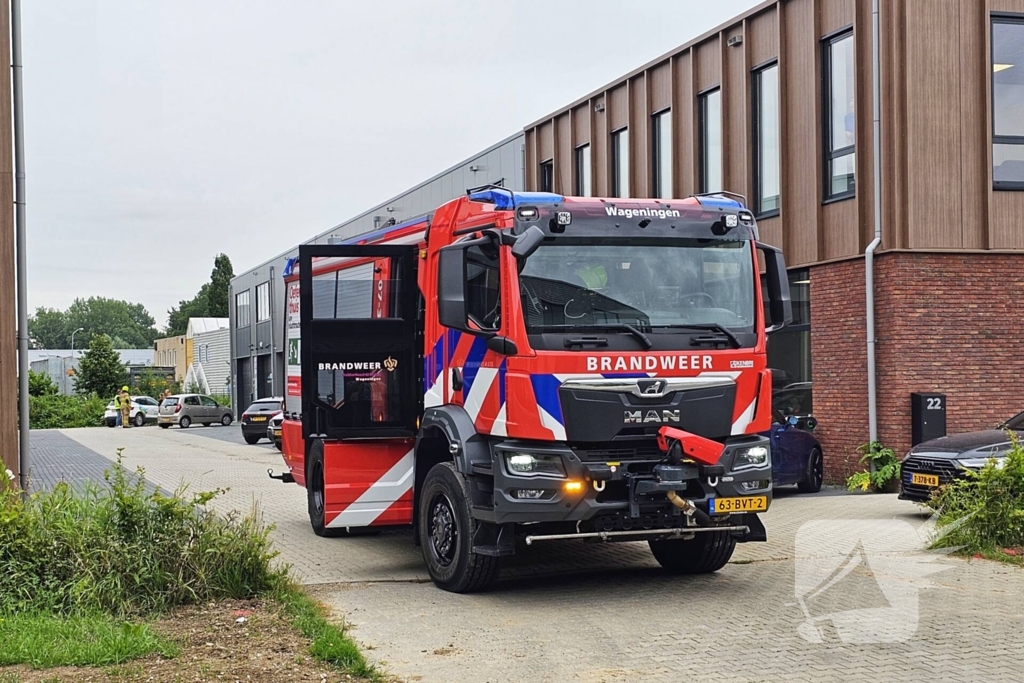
[483, 286]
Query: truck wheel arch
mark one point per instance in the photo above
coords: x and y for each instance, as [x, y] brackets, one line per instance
[440, 428]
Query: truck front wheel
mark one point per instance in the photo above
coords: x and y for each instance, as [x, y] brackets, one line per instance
[446, 534]
[705, 553]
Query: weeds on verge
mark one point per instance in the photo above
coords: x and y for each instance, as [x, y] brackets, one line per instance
[82, 567]
[123, 551]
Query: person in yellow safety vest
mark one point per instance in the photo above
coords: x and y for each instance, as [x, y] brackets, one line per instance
[124, 404]
[594, 276]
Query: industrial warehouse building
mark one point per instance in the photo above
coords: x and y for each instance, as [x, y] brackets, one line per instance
[777, 105]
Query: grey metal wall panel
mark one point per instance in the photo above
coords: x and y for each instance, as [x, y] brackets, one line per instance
[264, 337]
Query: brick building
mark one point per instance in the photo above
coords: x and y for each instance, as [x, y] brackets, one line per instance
[777, 105]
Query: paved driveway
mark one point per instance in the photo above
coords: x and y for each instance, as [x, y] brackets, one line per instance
[570, 612]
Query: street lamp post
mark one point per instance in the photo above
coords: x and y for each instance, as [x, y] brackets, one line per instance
[73, 340]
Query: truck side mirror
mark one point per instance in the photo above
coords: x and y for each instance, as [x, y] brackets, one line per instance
[780, 306]
[451, 288]
[527, 243]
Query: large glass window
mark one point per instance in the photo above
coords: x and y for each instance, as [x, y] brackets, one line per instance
[655, 288]
[840, 123]
[661, 155]
[1008, 103]
[263, 302]
[547, 176]
[789, 353]
[766, 140]
[620, 163]
[709, 110]
[242, 309]
[583, 188]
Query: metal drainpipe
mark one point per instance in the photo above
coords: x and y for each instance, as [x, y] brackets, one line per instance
[869, 253]
[273, 348]
[24, 454]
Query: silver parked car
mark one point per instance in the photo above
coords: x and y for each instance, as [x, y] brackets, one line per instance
[185, 410]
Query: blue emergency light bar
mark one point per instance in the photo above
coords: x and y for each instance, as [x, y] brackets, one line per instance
[506, 200]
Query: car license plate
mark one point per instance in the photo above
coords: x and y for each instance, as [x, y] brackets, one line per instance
[259, 418]
[724, 506]
[277, 432]
[924, 479]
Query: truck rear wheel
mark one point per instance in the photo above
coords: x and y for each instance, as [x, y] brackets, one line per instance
[446, 534]
[706, 552]
[316, 498]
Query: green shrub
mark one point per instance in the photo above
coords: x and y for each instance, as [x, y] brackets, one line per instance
[124, 551]
[883, 469]
[40, 384]
[56, 411]
[985, 510]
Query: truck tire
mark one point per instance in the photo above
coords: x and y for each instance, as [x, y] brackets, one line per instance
[446, 534]
[811, 482]
[316, 498]
[705, 553]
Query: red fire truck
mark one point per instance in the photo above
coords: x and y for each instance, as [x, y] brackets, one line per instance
[531, 366]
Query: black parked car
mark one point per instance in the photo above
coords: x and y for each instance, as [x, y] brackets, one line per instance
[256, 418]
[935, 463]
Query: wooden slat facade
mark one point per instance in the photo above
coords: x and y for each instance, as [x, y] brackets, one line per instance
[8, 310]
[936, 125]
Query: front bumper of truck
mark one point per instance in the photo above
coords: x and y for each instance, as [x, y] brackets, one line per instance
[621, 499]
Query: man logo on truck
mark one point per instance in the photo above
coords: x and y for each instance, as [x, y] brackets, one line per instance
[638, 416]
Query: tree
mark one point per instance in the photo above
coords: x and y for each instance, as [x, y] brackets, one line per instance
[220, 280]
[47, 329]
[130, 324]
[211, 301]
[100, 371]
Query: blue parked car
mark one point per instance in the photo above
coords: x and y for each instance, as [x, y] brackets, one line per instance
[796, 454]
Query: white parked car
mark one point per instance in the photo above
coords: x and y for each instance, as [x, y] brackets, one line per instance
[144, 409]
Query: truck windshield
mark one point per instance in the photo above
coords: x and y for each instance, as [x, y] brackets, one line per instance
[655, 288]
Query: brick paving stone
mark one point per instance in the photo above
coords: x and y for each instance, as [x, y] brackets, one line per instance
[567, 611]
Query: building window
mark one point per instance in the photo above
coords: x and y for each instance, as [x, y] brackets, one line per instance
[242, 309]
[547, 176]
[789, 353]
[1007, 103]
[709, 112]
[620, 163]
[766, 140]
[583, 188]
[263, 302]
[840, 124]
[661, 154]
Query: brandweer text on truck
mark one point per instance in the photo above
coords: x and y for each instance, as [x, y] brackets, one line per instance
[528, 364]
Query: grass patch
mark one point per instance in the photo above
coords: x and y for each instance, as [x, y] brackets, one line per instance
[331, 643]
[93, 576]
[44, 640]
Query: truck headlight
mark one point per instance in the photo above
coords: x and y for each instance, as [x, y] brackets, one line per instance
[534, 463]
[754, 456]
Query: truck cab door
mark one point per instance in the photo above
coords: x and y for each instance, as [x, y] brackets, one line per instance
[361, 351]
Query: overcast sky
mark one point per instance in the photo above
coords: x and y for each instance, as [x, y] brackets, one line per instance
[159, 133]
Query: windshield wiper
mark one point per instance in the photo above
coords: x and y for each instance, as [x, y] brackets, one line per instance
[710, 327]
[624, 327]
